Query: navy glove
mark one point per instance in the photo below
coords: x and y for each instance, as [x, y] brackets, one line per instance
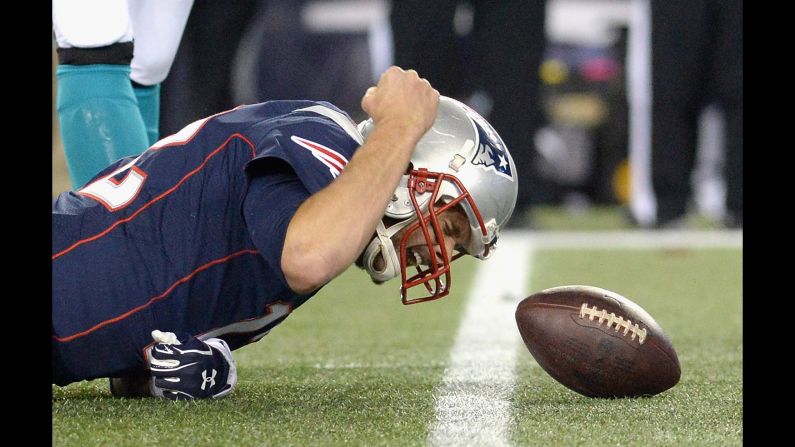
[192, 368]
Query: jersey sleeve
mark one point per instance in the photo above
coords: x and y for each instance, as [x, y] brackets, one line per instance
[298, 153]
[316, 146]
[273, 197]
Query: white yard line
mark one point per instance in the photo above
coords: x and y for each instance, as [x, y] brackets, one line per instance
[472, 404]
[635, 239]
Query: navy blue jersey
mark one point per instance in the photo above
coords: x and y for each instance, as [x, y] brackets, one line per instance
[187, 237]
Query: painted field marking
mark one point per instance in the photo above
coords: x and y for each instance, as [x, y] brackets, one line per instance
[472, 403]
[634, 239]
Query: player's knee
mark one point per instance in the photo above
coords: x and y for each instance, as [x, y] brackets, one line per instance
[150, 69]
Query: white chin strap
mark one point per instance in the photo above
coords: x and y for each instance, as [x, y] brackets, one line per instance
[382, 244]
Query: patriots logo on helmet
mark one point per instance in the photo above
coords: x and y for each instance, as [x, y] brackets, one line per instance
[490, 157]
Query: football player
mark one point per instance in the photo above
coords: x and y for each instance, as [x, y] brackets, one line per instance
[108, 99]
[166, 262]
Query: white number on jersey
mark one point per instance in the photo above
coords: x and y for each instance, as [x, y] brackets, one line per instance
[113, 194]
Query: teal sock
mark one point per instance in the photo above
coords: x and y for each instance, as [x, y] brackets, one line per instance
[99, 118]
[149, 106]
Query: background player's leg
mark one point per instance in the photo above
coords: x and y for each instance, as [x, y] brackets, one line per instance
[97, 109]
[680, 55]
[98, 116]
[424, 40]
[148, 98]
[727, 74]
[158, 29]
[206, 59]
[506, 67]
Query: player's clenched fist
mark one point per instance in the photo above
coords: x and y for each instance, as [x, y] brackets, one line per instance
[402, 99]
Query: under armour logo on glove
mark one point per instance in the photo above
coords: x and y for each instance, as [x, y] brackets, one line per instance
[210, 379]
[188, 369]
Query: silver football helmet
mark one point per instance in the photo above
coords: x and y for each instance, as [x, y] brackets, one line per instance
[460, 160]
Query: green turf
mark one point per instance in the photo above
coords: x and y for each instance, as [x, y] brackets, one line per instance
[696, 296]
[352, 366]
[599, 217]
[584, 219]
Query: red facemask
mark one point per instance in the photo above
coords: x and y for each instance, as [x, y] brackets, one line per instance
[436, 276]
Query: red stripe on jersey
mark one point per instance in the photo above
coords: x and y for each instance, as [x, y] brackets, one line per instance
[158, 198]
[153, 299]
[331, 155]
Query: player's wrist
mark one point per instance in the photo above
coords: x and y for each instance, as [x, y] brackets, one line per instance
[400, 129]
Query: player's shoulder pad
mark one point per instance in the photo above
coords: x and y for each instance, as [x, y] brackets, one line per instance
[339, 117]
[317, 140]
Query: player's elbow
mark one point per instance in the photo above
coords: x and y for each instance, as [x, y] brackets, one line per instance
[305, 272]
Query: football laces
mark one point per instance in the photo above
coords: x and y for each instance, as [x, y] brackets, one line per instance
[612, 319]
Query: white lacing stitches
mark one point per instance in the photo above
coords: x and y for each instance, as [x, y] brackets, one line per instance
[613, 319]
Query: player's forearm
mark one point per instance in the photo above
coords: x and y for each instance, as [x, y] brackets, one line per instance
[331, 228]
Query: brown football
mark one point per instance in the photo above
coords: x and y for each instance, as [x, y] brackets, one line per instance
[597, 342]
